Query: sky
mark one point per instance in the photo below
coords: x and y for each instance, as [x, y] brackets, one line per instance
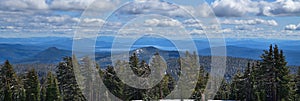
[270, 19]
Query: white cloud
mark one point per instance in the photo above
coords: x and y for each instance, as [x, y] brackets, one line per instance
[68, 5]
[251, 22]
[238, 8]
[248, 28]
[165, 9]
[197, 31]
[234, 7]
[193, 22]
[56, 18]
[82, 4]
[202, 10]
[23, 4]
[285, 7]
[92, 20]
[292, 27]
[162, 23]
[139, 7]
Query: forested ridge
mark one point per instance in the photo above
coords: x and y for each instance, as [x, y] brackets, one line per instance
[269, 79]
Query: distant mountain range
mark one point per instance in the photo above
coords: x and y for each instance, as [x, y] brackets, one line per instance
[52, 49]
[51, 55]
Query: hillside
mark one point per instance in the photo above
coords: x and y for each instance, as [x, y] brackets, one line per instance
[15, 52]
[51, 55]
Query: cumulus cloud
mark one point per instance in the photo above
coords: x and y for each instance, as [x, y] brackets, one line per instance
[139, 7]
[292, 27]
[192, 23]
[238, 8]
[81, 4]
[234, 8]
[17, 5]
[165, 8]
[251, 22]
[162, 23]
[23, 4]
[285, 7]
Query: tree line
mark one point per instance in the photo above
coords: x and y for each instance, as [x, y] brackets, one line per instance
[266, 80]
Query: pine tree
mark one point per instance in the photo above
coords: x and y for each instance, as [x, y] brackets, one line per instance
[67, 81]
[51, 89]
[43, 89]
[268, 73]
[297, 80]
[7, 93]
[134, 62]
[249, 83]
[202, 80]
[238, 87]
[10, 78]
[224, 91]
[140, 69]
[143, 69]
[189, 64]
[161, 90]
[86, 70]
[32, 86]
[257, 82]
[273, 76]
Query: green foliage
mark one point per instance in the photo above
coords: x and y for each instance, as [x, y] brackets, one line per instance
[266, 80]
[224, 91]
[134, 62]
[10, 83]
[297, 80]
[52, 90]
[32, 86]
[275, 77]
[7, 93]
[238, 87]
[202, 80]
[67, 81]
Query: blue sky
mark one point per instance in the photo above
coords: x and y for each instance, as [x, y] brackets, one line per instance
[272, 19]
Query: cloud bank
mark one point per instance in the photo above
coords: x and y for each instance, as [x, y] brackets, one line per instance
[292, 27]
[238, 8]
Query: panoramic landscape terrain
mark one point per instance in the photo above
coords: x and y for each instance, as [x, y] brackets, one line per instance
[123, 50]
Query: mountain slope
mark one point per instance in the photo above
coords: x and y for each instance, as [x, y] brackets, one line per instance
[51, 55]
[292, 56]
[14, 52]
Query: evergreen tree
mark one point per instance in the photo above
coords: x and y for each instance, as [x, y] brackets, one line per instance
[103, 93]
[43, 93]
[161, 90]
[257, 82]
[32, 86]
[238, 90]
[276, 74]
[270, 78]
[224, 91]
[283, 78]
[297, 80]
[202, 80]
[143, 69]
[86, 70]
[268, 74]
[249, 83]
[7, 93]
[189, 63]
[67, 81]
[134, 62]
[52, 90]
[9, 79]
